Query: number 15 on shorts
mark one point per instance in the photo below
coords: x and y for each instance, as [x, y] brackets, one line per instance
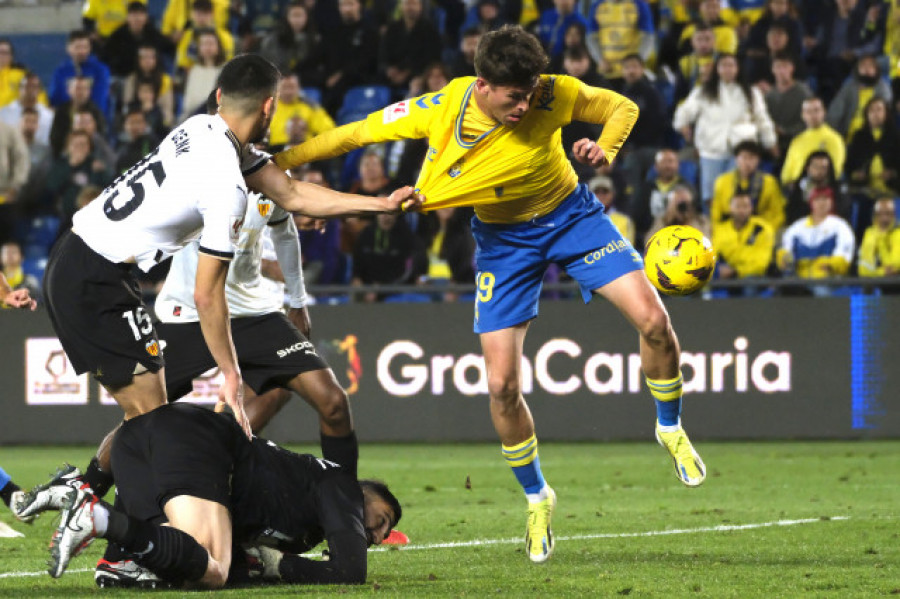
[139, 321]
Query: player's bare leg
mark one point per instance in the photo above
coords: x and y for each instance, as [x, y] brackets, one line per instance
[321, 390]
[503, 359]
[515, 427]
[209, 523]
[636, 299]
[194, 547]
[261, 409]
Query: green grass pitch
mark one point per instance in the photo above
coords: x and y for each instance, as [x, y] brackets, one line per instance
[797, 519]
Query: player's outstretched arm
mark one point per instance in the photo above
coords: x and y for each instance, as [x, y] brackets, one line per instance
[15, 298]
[212, 308]
[321, 202]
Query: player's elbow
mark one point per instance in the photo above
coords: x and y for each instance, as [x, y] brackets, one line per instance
[204, 299]
[632, 109]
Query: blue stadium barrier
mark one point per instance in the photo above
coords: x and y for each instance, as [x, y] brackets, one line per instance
[312, 94]
[40, 52]
[409, 298]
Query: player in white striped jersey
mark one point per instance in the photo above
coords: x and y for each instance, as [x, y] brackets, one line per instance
[188, 189]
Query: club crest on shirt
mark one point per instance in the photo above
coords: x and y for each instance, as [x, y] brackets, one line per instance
[152, 347]
[456, 169]
[264, 207]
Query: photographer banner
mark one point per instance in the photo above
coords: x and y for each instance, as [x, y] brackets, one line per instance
[753, 369]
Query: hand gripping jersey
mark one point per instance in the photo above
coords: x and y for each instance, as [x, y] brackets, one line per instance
[191, 187]
[510, 174]
[248, 292]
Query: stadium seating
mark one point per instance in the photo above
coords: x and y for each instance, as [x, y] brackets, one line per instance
[361, 100]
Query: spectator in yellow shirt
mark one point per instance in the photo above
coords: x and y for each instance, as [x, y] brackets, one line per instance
[177, 15]
[817, 136]
[11, 74]
[292, 105]
[102, 17]
[603, 188]
[767, 201]
[879, 252]
[744, 242]
[201, 18]
[711, 15]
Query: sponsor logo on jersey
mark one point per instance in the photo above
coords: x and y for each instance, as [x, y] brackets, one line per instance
[304, 346]
[236, 223]
[152, 347]
[613, 246]
[546, 96]
[432, 152]
[395, 112]
[176, 311]
[264, 207]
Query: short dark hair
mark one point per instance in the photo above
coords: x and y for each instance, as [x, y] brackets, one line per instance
[30, 110]
[202, 5]
[248, 80]
[510, 56]
[212, 102]
[578, 52]
[136, 7]
[78, 34]
[381, 489]
[133, 110]
[748, 145]
[634, 56]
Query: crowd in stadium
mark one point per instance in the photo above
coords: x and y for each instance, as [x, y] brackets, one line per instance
[770, 125]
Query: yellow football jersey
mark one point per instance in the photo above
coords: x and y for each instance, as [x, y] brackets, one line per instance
[509, 174]
[107, 15]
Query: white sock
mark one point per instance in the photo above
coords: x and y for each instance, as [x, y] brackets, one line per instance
[672, 428]
[538, 497]
[101, 519]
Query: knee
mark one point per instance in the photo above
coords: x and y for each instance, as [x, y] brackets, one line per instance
[334, 406]
[216, 575]
[655, 326]
[504, 389]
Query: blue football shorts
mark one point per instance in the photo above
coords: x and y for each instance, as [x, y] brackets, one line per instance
[512, 258]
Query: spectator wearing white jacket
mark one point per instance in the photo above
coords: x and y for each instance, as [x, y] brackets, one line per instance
[720, 114]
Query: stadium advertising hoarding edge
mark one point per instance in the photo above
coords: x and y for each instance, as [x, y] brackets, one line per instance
[774, 368]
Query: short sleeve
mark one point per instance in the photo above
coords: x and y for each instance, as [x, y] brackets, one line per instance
[223, 217]
[252, 160]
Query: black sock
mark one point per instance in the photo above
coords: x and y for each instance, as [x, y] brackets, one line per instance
[99, 480]
[342, 450]
[7, 491]
[171, 554]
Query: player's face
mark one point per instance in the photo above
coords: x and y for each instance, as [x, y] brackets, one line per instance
[504, 103]
[378, 517]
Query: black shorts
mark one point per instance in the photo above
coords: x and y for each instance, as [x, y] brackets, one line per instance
[178, 449]
[270, 350]
[96, 309]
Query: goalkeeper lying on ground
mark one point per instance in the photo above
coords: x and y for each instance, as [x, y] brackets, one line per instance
[218, 492]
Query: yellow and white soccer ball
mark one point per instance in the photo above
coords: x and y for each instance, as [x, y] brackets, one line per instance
[679, 260]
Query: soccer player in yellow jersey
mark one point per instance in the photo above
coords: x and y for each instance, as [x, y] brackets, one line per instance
[494, 143]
